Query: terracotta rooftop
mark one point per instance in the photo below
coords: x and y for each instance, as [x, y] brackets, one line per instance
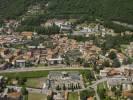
[27, 33]
[14, 94]
[90, 98]
[128, 93]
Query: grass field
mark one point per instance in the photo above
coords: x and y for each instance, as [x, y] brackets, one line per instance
[31, 74]
[35, 96]
[34, 74]
[73, 96]
[35, 82]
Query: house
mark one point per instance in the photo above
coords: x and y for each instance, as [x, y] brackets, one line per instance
[117, 80]
[3, 66]
[27, 35]
[127, 70]
[48, 23]
[4, 52]
[8, 58]
[127, 87]
[90, 98]
[103, 73]
[66, 28]
[54, 21]
[58, 60]
[58, 96]
[110, 72]
[121, 57]
[14, 96]
[59, 22]
[79, 33]
[17, 52]
[20, 63]
[128, 94]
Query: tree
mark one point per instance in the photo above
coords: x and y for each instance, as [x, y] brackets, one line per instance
[24, 91]
[87, 93]
[112, 55]
[128, 60]
[113, 89]
[64, 87]
[102, 92]
[21, 81]
[106, 63]
[29, 64]
[116, 63]
[72, 87]
[58, 87]
[80, 60]
[49, 97]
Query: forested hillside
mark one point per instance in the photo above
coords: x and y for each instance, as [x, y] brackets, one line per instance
[121, 10]
[13, 8]
[107, 9]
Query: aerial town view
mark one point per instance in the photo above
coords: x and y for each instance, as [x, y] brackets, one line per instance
[66, 49]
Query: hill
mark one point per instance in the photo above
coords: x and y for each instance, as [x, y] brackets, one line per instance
[13, 8]
[121, 10]
[106, 10]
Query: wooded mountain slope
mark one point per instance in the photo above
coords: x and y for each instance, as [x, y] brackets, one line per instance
[105, 9]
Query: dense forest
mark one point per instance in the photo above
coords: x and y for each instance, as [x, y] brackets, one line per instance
[105, 9]
[15, 8]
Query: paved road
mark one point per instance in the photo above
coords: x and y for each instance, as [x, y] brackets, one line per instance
[42, 69]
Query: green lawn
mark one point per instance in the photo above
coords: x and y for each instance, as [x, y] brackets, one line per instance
[31, 74]
[73, 96]
[35, 96]
[35, 74]
[35, 82]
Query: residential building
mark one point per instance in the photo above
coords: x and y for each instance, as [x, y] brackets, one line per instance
[20, 63]
[65, 80]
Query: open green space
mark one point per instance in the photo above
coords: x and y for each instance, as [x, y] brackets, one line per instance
[38, 74]
[35, 96]
[73, 96]
[31, 74]
[35, 82]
